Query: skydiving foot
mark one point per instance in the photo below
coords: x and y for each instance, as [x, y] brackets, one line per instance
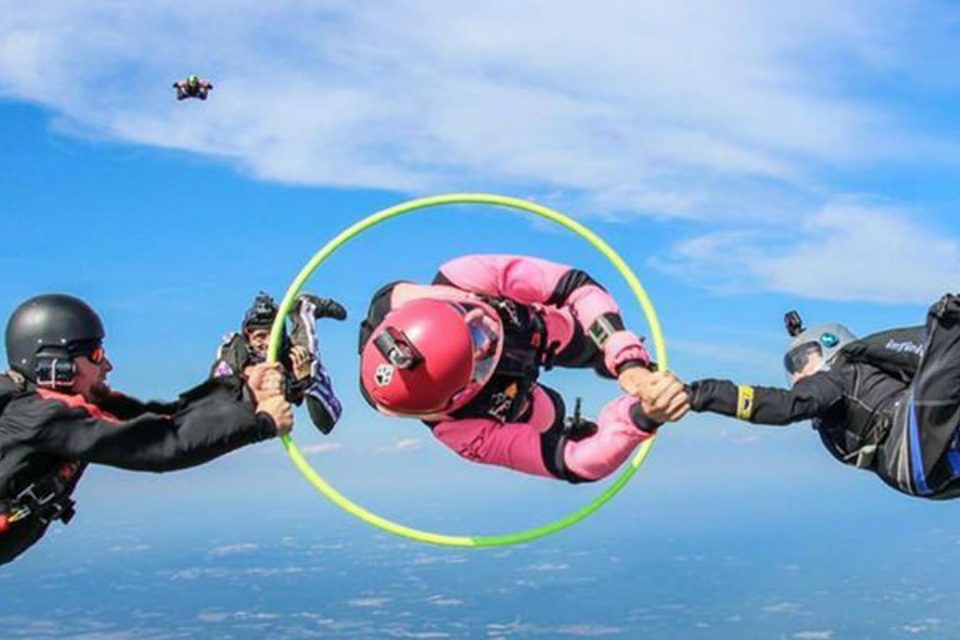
[322, 307]
[313, 382]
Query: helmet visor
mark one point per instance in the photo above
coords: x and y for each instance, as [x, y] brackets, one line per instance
[484, 340]
[797, 359]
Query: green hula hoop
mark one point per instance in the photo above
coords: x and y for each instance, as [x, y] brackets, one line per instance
[465, 540]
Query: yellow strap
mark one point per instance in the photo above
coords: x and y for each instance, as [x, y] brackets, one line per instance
[744, 402]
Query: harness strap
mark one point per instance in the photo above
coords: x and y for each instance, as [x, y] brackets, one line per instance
[46, 499]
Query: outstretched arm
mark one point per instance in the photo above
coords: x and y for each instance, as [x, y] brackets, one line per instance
[807, 399]
[531, 280]
[211, 420]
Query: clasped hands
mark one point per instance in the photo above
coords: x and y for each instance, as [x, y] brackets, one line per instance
[266, 382]
[663, 396]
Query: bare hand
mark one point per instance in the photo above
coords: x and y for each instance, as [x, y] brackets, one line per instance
[665, 398]
[265, 380]
[635, 380]
[280, 410]
[301, 362]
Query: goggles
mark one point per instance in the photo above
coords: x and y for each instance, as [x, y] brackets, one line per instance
[91, 349]
[484, 339]
[797, 359]
[484, 334]
[97, 356]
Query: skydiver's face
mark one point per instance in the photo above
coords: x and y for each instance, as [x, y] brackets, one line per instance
[259, 340]
[91, 377]
[813, 365]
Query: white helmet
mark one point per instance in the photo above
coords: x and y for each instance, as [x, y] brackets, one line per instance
[825, 340]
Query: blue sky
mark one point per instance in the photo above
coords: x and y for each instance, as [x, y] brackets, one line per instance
[745, 157]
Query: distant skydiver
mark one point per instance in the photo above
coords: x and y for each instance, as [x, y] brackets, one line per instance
[464, 355]
[300, 354]
[58, 414]
[888, 403]
[192, 87]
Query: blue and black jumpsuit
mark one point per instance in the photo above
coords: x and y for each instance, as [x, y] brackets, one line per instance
[889, 403]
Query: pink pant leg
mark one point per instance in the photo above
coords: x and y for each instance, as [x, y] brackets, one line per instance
[602, 453]
[515, 445]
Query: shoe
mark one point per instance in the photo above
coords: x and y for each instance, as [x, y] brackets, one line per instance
[322, 307]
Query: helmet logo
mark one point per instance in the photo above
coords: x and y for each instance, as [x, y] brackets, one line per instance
[384, 374]
[829, 340]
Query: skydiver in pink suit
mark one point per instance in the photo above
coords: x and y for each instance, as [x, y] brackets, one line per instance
[464, 355]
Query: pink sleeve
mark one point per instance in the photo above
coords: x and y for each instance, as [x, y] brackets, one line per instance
[517, 445]
[616, 438]
[521, 278]
[534, 281]
[529, 281]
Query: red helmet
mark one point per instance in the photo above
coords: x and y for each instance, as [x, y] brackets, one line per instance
[430, 356]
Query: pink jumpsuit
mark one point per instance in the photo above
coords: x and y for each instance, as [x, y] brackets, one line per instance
[569, 302]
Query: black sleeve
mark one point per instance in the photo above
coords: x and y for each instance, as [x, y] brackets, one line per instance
[234, 353]
[583, 350]
[211, 420]
[379, 308]
[807, 399]
[570, 282]
[127, 408]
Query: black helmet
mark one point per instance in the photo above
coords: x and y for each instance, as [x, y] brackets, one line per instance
[262, 313]
[50, 328]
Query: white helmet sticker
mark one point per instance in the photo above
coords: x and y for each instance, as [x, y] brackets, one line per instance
[384, 374]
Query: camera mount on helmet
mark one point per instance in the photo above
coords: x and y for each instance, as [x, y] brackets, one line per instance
[46, 333]
[394, 345]
[793, 323]
[262, 312]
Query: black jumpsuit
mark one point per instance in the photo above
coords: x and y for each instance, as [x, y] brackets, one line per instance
[889, 403]
[44, 434]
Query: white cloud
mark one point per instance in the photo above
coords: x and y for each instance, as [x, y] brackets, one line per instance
[782, 607]
[657, 107]
[559, 566]
[323, 447]
[814, 635]
[233, 549]
[442, 559]
[404, 444]
[930, 624]
[577, 630]
[130, 548]
[444, 601]
[589, 630]
[368, 603]
[848, 250]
